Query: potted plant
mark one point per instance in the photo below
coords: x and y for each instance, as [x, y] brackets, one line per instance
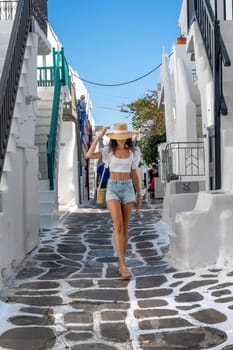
[181, 40]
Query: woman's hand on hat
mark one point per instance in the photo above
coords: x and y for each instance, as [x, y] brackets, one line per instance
[103, 131]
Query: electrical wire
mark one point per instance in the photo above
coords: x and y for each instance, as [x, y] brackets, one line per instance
[124, 83]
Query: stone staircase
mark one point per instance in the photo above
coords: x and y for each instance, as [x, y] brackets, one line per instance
[5, 31]
[19, 226]
[48, 198]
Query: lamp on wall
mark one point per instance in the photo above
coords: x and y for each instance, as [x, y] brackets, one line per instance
[31, 98]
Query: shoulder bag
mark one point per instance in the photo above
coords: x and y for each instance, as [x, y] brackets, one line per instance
[101, 192]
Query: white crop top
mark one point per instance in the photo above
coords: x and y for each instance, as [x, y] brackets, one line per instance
[120, 165]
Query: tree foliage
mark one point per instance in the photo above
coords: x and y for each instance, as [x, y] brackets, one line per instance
[149, 121]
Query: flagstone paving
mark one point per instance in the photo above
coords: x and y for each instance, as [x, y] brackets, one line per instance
[67, 294]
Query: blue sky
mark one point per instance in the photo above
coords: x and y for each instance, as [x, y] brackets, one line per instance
[112, 42]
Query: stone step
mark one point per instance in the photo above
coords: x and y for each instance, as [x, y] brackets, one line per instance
[47, 208]
[226, 31]
[3, 183]
[47, 196]
[47, 221]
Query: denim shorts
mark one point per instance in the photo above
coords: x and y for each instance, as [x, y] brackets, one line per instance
[121, 190]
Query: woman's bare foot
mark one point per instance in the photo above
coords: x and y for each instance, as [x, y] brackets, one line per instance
[122, 269]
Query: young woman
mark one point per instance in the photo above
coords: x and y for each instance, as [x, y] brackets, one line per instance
[122, 157]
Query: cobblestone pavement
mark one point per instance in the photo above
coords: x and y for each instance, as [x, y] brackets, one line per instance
[67, 293]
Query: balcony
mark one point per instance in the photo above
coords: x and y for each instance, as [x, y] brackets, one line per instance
[183, 161]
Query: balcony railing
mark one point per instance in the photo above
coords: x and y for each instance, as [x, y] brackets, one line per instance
[61, 77]
[38, 10]
[40, 13]
[8, 10]
[11, 73]
[20, 12]
[181, 159]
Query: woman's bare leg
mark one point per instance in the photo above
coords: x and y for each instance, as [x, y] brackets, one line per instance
[114, 207]
[126, 212]
[120, 217]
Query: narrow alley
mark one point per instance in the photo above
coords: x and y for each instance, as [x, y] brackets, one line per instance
[67, 294]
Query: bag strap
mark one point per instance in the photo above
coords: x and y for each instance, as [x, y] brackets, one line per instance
[101, 180]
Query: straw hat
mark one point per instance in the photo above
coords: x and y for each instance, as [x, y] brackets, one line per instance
[120, 132]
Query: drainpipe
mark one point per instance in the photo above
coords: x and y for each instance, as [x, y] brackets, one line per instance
[215, 9]
[79, 160]
[217, 105]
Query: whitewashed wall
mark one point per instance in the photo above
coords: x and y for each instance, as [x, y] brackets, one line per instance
[68, 163]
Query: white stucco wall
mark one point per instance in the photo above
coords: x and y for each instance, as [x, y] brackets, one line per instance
[19, 216]
[19, 221]
[169, 99]
[27, 112]
[68, 181]
[186, 129]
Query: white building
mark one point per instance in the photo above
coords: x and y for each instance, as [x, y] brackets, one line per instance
[197, 94]
[39, 130]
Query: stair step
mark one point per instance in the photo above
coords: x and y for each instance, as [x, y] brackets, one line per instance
[3, 49]
[4, 37]
[46, 92]
[229, 114]
[42, 148]
[228, 88]
[11, 147]
[44, 106]
[3, 183]
[47, 221]
[229, 103]
[46, 111]
[47, 196]
[5, 28]
[227, 74]
[44, 185]
[28, 52]
[47, 208]
[15, 126]
[42, 130]
[19, 106]
[1, 201]
[41, 139]
[226, 31]
[2, 60]
[7, 163]
[44, 122]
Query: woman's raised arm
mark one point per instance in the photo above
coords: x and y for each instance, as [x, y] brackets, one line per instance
[91, 154]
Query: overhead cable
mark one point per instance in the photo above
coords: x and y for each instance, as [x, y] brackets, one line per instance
[124, 83]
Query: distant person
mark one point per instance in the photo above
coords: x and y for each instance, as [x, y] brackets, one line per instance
[153, 172]
[82, 103]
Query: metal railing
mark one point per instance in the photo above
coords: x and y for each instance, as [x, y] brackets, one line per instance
[11, 73]
[45, 76]
[202, 12]
[181, 159]
[40, 13]
[38, 9]
[21, 12]
[8, 10]
[61, 77]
